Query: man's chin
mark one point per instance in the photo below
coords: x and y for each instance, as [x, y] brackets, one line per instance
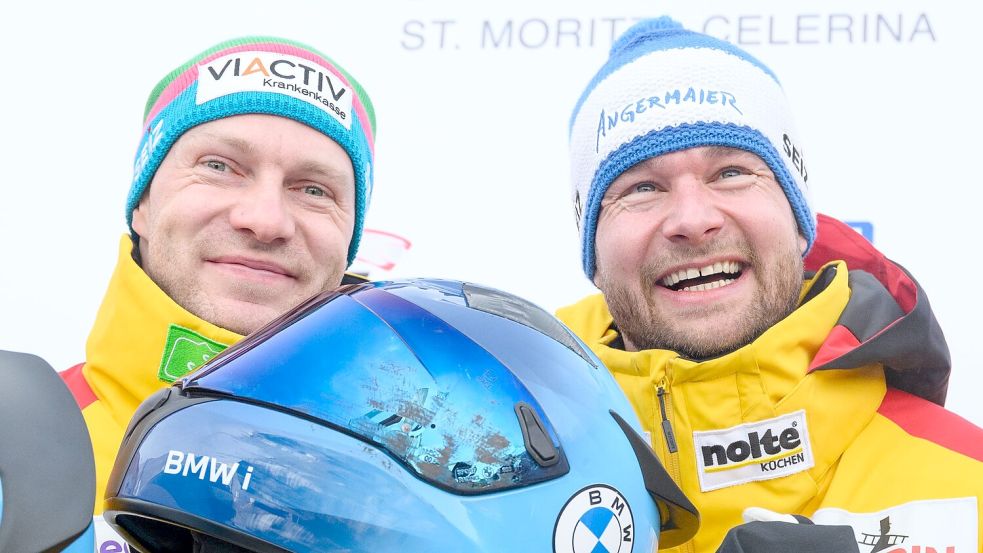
[697, 333]
[720, 317]
[716, 333]
[242, 317]
[700, 347]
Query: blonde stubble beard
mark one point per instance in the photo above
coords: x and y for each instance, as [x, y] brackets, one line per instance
[643, 326]
[183, 288]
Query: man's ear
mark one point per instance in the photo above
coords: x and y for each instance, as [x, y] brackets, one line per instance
[140, 222]
[803, 244]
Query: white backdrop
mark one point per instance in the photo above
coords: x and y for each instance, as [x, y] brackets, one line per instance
[472, 105]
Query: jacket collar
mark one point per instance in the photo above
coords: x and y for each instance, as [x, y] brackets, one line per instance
[764, 379]
[135, 323]
[779, 357]
[888, 319]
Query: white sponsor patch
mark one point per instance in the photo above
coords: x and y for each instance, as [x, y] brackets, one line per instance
[597, 519]
[281, 73]
[761, 450]
[928, 526]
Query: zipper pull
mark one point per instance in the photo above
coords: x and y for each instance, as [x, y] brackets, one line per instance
[666, 427]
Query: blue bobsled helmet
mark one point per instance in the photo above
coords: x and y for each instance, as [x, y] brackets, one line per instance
[421, 415]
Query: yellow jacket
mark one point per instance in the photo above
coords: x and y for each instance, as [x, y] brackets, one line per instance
[141, 342]
[809, 418]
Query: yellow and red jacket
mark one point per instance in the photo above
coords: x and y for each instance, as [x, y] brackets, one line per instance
[125, 356]
[833, 413]
[141, 342]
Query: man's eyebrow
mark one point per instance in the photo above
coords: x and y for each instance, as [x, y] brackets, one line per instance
[246, 147]
[234, 142]
[318, 168]
[652, 162]
[709, 153]
[716, 152]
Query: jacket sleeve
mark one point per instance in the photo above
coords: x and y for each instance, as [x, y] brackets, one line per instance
[775, 537]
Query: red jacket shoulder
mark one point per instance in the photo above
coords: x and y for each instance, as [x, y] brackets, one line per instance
[924, 419]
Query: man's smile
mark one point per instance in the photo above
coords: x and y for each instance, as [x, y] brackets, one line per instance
[252, 268]
[700, 278]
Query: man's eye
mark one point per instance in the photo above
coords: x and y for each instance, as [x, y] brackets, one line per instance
[313, 191]
[216, 165]
[730, 172]
[644, 187]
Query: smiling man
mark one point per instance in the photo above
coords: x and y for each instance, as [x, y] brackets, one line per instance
[246, 217]
[249, 191]
[781, 364]
[674, 277]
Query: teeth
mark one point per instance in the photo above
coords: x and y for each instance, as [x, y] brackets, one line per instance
[729, 267]
[708, 286]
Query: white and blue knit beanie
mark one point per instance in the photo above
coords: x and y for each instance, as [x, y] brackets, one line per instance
[665, 89]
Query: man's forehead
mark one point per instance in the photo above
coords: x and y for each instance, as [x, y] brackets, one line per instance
[705, 153]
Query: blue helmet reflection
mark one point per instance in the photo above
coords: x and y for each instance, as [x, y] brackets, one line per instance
[418, 415]
[406, 381]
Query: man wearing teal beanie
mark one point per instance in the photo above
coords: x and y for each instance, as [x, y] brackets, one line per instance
[781, 364]
[249, 190]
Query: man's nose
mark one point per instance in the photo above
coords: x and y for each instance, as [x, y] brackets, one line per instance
[263, 210]
[692, 213]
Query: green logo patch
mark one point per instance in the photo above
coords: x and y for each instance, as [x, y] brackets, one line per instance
[185, 351]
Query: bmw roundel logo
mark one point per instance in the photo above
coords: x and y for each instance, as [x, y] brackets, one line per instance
[597, 519]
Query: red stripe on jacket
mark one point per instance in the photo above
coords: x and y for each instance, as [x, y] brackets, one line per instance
[80, 389]
[924, 419]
